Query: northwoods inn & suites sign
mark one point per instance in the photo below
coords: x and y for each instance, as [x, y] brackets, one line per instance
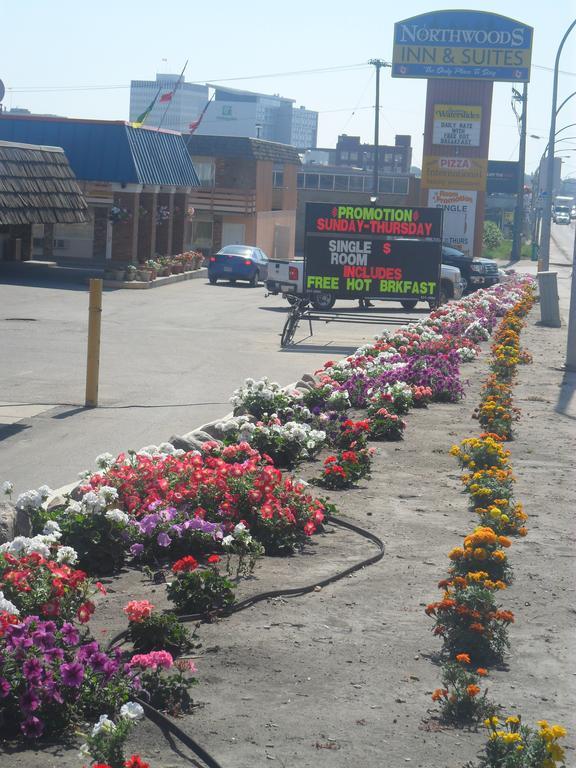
[462, 44]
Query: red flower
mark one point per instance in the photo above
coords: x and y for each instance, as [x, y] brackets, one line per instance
[135, 761]
[185, 564]
[85, 611]
[214, 559]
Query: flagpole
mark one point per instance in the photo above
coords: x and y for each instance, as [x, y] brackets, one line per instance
[173, 92]
[196, 123]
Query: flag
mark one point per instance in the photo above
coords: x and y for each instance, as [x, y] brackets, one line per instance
[166, 97]
[193, 126]
[141, 119]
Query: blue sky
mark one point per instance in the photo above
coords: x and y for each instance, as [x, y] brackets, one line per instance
[102, 46]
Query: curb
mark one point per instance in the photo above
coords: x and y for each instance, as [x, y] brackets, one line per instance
[159, 281]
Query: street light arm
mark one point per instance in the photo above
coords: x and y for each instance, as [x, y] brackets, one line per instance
[564, 102]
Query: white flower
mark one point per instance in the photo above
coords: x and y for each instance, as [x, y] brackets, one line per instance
[29, 500]
[104, 460]
[84, 475]
[239, 528]
[104, 724]
[7, 487]
[166, 448]
[132, 711]
[227, 540]
[118, 516]
[6, 605]
[67, 555]
[73, 506]
[92, 502]
[45, 491]
[108, 493]
[52, 529]
[84, 752]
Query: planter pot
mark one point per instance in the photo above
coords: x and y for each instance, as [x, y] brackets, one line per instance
[118, 274]
[167, 271]
[130, 276]
[145, 275]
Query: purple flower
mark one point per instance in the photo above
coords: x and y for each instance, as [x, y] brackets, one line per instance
[72, 674]
[137, 549]
[70, 634]
[110, 669]
[148, 524]
[169, 513]
[98, 661]
[164, 540]
[32, 727]
[54, 653]
[52, 693]
[87, 650]
[32, 669]
[5, 687]
[42, 639]
[29, 701]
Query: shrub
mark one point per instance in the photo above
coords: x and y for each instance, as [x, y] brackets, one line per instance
[199, 591]
[460, 697]
[492, 235]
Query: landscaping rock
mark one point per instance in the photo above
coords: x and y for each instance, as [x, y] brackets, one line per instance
[189, 442]
[13, 522]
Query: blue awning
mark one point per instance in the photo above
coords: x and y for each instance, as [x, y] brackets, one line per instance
[109, 151]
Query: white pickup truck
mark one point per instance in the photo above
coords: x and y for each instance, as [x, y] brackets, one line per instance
[287, 278]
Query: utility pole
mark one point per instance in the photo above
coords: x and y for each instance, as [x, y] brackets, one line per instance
[516, 253]
[378, 63]
[547, 207]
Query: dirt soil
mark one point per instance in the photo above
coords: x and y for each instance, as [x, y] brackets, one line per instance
[343, 676]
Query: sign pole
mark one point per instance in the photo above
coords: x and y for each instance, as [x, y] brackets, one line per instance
[93, 356]
[516, 253]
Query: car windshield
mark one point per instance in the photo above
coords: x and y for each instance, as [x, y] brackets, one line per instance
[447, 251]
[237, 250]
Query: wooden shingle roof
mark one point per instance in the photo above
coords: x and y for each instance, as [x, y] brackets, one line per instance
[37, 186]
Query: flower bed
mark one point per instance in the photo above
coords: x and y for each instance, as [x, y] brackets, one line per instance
[162, 505]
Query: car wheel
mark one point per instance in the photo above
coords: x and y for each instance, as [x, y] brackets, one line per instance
[254, 279]
[212, 280]
[323, 301]
[409, 304]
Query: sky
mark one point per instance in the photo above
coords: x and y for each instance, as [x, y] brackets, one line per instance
[77, 60]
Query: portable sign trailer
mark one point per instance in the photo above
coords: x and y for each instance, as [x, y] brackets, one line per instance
[368, 252]
[391, 253]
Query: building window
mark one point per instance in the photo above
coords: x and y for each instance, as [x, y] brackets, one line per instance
[356, 183]
[344, 155]
[341, 183]
[353, 156]
[202, 234]
[326, 181]
[300, 181]
[278, 179]
[401, 186]
[205, 170]
[385, 184]
[311, 181]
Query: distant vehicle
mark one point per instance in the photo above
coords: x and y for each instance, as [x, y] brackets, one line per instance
[573, 212]
[238, 262]
[561, 214]
[477, 273]
[287, 278]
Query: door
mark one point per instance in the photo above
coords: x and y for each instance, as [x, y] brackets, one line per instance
[232, 234]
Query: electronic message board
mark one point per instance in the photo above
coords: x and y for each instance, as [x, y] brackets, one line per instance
[356, 251]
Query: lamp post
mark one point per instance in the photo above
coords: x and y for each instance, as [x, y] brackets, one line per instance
[516, 252]
[547, 212]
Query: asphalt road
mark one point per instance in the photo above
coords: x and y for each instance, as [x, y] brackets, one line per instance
[170, 359]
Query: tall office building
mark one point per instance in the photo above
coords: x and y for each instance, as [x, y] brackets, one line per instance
[185, 106]
[231, 112]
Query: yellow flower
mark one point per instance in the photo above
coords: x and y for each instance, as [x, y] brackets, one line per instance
[513, 719]
[558, 731]
[511, 738]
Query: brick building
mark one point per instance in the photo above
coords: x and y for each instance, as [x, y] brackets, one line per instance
[247, 194]
[136, 182]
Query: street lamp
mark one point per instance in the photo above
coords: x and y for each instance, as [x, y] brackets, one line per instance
[547, 213]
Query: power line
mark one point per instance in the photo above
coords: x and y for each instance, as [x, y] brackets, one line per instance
[65, 88]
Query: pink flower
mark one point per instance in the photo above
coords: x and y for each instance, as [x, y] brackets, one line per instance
[152, 660]
[138, 610]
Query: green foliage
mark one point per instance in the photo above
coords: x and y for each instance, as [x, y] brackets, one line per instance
[492, 235]
[201, 591]
[159, 632]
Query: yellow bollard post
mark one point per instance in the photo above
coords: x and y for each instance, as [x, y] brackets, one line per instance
[93, 357]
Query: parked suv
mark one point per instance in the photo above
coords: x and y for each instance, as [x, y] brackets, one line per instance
[476, 273]
[561, 214]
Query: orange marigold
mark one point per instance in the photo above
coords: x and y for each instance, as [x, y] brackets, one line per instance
[472, 690]
[463, 658]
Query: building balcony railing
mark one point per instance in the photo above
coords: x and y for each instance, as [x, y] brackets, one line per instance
[222, 200]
